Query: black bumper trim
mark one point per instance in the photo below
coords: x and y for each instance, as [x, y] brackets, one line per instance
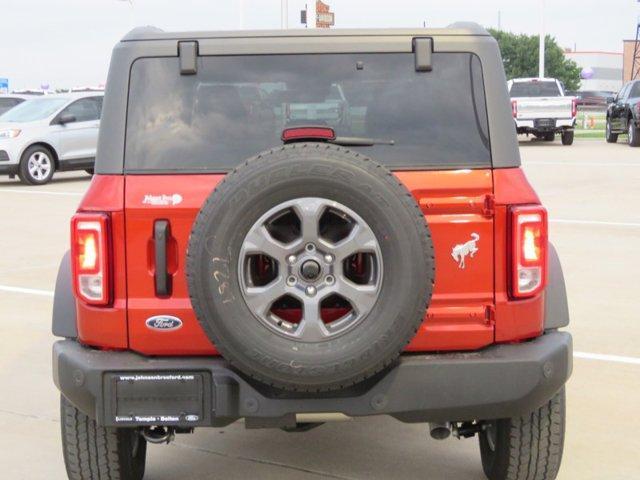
[498, 382]
[9, 169]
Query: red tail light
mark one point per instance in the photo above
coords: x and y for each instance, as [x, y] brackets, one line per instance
[529, 245]
[514, 108]
[574, 107]
[90, 256]
[310, 132]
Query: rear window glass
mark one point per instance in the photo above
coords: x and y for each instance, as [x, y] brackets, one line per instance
[535, 89]
[237, 106]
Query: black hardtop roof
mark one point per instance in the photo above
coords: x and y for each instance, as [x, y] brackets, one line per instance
[456, 29]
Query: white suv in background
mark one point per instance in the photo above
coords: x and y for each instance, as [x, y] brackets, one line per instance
[49, 133]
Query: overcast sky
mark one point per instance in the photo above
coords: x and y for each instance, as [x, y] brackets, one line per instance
[67, 43]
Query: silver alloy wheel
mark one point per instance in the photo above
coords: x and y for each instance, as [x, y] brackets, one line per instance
[310, 268]
[39, 165]
[632, 133]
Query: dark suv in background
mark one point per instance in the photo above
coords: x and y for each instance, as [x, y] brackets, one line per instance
[623, 114]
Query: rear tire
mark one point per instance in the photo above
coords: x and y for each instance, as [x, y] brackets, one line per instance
[634, 135]
[527, 447]
[37, 165]
[549, 137]
[92, 452]
[254, 338]
[567, 137]
[609, 135]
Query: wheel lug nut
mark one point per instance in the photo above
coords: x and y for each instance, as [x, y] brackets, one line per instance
[291, 280]
[329, 279]
[311, 290]
[328, 258]
[291, 259]
[310, 247]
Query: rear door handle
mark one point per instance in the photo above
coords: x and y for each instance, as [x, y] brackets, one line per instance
[161, 234]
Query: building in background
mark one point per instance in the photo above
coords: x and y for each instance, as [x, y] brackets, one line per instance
[629, 48]
[602, 71]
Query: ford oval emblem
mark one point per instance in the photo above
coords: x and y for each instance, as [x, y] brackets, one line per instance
[164, 323]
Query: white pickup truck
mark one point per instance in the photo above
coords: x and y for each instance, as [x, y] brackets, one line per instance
[541, 108]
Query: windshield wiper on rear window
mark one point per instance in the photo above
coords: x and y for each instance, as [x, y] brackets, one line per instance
[360, 141]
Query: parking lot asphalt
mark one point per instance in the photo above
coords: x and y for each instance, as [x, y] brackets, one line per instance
[592, 192]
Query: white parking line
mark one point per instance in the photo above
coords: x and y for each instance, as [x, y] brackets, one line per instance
[607, 358]
[585, 355]
[41, 192]
[595, 222]
[28, 291]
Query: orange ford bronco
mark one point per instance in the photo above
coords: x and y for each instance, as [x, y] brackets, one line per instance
[293, 226]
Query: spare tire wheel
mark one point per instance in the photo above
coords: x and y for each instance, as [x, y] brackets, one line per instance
[310, 267]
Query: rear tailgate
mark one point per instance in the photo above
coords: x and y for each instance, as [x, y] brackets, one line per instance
[433, 132]
[456, 203]
[529, 108]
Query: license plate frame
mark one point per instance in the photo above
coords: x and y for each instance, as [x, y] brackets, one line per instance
[157, 398]
[545, 123]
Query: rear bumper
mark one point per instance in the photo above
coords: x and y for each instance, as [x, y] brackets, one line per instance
[560, 124]
[497, 382]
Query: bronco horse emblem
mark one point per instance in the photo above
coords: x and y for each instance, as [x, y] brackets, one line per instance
[461, 250]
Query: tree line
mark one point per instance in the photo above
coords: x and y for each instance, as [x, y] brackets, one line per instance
[520, 56]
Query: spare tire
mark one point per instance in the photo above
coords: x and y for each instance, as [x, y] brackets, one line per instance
[310, 267]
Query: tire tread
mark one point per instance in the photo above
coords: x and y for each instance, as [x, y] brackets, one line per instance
[534, 444]
[92, 452]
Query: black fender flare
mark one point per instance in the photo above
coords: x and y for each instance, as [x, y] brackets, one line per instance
[64, 302]
[556, 307]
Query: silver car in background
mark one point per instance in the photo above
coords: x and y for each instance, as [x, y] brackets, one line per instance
[49, 133]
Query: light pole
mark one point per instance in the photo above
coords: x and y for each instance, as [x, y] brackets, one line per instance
[542, 38]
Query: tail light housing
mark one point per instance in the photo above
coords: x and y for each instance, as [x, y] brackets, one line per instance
[308, 133]
[574, 107]
[529, 246]
[91, 258]
[514, 108]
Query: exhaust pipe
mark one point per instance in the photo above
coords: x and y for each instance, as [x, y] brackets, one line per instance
[158, 434]
[440, 431]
